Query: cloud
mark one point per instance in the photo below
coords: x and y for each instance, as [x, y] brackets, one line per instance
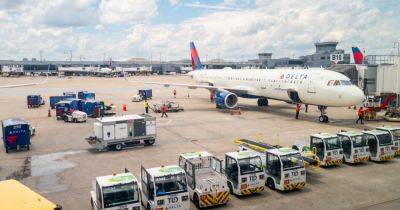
[126, 11]
[174, 2]
[209, 6]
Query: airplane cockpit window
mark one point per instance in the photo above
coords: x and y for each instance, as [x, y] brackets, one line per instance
[341, 82]
[345, 82]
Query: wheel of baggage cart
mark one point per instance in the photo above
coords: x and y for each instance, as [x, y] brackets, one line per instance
[7, 150]
[28, 147]
[65, 119]
[118, 147]
[230, 188]
[196, 200]
[271, 184]
[149, 142]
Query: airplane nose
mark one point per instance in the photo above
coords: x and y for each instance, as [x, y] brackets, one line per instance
[359, 96]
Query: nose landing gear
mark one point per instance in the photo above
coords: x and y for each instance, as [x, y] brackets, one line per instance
[323, 118]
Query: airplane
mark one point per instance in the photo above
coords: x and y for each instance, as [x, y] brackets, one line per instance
[358, 56]
[319, 87]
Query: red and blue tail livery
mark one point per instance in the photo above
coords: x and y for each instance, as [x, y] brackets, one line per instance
[196, 63]
[357, 55]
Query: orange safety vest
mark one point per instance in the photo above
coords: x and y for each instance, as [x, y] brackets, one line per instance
[297, 108]
[360, 112]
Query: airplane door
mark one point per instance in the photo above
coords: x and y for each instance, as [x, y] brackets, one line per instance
[311, 87]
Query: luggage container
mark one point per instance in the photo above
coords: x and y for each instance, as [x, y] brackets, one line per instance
[243, 170]
[206, 183]
[54, 100]
[164, 187]
[77, 104]
[16, 134]
[114, 192]
[92, 108]
[118, 132]
[146, 93]
[355, 146]
[34, 101]
[380, 145]
[70, 95]
[85, 95]
[395, 132]
[16, 196]
[63, 108]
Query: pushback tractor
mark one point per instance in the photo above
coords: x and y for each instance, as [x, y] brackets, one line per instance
[116, 192]
[380, 145]
[206, 184]
[284, 167]
[395, 132]
[243, 170]
[164, 188]
[355, 146]
[326, 147]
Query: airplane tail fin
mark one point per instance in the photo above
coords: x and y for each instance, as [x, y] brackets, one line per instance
[357, 55]
[196, 63]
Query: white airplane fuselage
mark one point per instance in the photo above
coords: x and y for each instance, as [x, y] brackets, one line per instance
[311, 85]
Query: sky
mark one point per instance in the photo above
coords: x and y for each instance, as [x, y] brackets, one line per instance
[229, 29]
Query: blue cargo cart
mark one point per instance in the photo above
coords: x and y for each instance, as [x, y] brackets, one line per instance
[63, 108]
[16, 134]
[34, 101]
[93, 108]
[54, 100]
[146, 93]
[69, 95]
[85, 95]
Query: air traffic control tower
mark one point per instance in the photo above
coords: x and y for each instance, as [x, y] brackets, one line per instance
[323, 55]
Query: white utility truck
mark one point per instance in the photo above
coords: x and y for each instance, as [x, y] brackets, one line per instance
[164, 187]
[326, 147]
[395, 132]
[76, 117]
[117, 132]
[116, 192]
[206, 184]
[284, 167]
[355, 146]
[243, 170]
[380, 145]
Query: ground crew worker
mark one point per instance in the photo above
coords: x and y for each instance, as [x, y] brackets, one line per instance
[146, 106]
[164, 110]
[297, 110]
[174, 93]
[360, 114]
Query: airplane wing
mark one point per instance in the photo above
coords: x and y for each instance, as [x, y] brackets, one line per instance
[236, 90]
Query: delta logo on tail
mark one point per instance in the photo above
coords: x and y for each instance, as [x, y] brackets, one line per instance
[196, 63]
[357, 55]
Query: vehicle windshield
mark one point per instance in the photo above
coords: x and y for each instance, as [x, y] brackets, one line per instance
[332, 143]
[359, 141]
[120, 195]
[292, 161]
[384, 139]
[396, 134]
[250, 165]
[170, 184]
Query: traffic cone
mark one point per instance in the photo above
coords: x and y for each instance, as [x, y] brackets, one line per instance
[124, 107]
[49, 113]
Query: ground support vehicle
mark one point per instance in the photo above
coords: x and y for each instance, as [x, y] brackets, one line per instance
[284, 167]
[16, 196]
[53, 100]
[172, 107]
[355, 146]
[146, 93]
[108, 110]
[243, 170]
[34, 101]
[76, 117]
[115, 192]
[71, 95]
[16, 134]
[380, 145]
[137, 98]
[164, 187]
[85, 95]
[206, 184]
[395, 132]
[117, 132]
[326, 148]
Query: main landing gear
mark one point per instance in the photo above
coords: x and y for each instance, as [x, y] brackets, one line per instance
[262, 102]
[323, 118]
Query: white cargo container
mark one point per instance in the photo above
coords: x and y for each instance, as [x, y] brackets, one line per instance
[117, 132]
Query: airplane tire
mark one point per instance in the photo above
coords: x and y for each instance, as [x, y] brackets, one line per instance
[321, 119]
[326, 120]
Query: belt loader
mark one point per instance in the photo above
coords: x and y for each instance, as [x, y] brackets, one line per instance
[284, 167]
[206, 184]
[243, 170]
[355, 146]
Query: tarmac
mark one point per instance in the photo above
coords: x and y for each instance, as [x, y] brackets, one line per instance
[61, 165]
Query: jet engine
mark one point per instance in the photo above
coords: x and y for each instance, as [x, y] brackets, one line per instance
[226, 99]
